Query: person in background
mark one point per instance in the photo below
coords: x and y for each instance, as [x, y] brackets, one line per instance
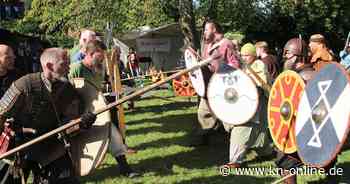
[345, 57]
[319, 53]
[8, 74]
[133, 62]
[262, 51]
[77, 53]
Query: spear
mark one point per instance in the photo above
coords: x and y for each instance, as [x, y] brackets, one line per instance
[106, 108]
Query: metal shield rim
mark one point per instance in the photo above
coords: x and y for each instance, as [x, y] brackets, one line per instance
[341, 144]
[105, 144]
[255, 92]
[280, 76]
[199, 92]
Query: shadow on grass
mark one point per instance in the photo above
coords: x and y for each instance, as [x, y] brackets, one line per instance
[204, 158]
[172, 123]
[346, 174]
[344, 178]
[108, 172]
[229, 179]
[174, 105]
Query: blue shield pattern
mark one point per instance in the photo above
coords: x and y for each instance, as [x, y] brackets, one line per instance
[322, 122]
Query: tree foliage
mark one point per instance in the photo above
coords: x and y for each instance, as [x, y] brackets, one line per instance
[272, 20]
[59, 18]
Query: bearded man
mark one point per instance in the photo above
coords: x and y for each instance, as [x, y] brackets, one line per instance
[40, 102]
[91, 69]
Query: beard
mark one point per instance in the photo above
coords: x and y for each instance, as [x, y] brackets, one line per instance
[98, 66]
[289, 64]
[11, 66]
[98, 69]
[209, 38]
[60, 77]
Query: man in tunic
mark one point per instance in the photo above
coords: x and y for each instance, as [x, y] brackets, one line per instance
[91, 68]
[295, 57]
[262, 52]
[214, 45]
[320, 54]
[8, 74]
[254, 133]
[39, 102]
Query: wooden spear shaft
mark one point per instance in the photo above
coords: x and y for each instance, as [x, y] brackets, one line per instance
[109, 106]
[264, 85]
[137, 77]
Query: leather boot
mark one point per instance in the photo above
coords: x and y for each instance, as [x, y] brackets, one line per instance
[125, 168]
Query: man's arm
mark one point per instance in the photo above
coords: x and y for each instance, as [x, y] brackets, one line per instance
[231, 57]
[11, 103]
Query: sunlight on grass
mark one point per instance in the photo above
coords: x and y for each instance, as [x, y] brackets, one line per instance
[160, 128]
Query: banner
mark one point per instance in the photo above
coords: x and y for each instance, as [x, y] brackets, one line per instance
[153, 45]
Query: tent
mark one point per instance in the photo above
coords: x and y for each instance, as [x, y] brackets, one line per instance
[162, 44]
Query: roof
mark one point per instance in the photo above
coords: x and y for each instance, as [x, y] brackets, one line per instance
[146, 32]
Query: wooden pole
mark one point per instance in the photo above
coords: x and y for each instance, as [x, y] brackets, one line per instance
[264, 85]
[117, 88]
[137, 77]
[109, 106]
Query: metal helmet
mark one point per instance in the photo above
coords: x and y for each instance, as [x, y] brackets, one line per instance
[297, 47]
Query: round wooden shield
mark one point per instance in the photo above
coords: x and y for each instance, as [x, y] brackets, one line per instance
[182, 86]
[232, 95]
[322, 122]
[283, 103]
[89, 146]
[196, 76]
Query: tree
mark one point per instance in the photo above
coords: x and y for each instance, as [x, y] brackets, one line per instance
[272, 20]
[188, 24]
[56, 18]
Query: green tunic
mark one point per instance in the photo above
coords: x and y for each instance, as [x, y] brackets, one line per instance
[79, 70]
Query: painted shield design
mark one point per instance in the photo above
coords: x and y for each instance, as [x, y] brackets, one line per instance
[322, 122]
[232, 95]
[182, 86]
[283, 103]
[196, 76]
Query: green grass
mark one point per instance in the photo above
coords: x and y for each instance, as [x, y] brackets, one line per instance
[160, 128]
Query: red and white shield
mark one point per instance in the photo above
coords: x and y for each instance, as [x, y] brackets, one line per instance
[283, 103]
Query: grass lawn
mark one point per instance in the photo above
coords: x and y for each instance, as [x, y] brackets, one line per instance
[160, 129]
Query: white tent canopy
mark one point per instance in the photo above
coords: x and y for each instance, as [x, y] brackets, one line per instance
[162, 44]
